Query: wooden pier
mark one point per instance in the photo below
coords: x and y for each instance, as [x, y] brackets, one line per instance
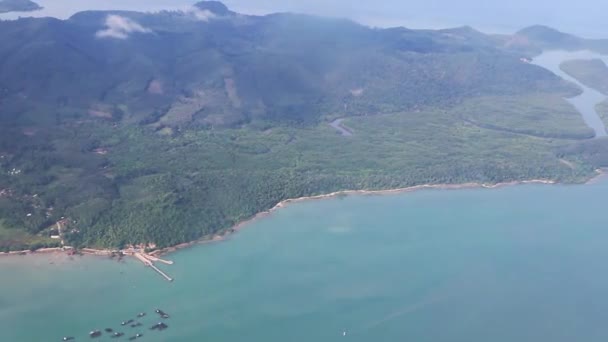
[155, 259]
[148, 261]
[161, 272]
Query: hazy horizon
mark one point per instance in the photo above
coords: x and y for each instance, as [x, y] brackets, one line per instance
[583, 17]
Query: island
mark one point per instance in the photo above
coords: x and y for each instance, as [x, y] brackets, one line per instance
[18, 6]
[602, 110]
[144, 131]
[593, 73]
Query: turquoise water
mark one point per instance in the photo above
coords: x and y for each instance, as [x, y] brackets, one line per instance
[522, 263]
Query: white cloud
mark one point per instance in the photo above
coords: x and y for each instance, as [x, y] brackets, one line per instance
[202, 15]
[119, 27]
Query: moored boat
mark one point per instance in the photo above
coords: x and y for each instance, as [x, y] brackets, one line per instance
[159, 326]
[127, 322]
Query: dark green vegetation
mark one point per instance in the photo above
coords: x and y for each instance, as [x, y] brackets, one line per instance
[18, 6]
[602, 110]
[592, 73]
[537, 115]
[183, 127]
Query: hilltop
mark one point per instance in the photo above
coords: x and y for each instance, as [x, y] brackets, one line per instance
[538, 37]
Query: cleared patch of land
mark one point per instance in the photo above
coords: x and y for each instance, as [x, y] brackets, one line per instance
[593, 73]
[15, 239]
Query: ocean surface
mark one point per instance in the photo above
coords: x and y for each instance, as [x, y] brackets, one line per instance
[520, 263]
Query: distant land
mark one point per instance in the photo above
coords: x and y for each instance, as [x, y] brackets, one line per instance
[18, 6]
[122, 128]
[593, 73]
[500, 17]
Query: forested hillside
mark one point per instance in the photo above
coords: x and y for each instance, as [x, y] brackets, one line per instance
[163, 128]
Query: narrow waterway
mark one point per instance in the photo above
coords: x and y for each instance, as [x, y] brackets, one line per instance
[586, 102]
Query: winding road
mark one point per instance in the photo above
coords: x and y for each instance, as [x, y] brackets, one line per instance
[338, 126]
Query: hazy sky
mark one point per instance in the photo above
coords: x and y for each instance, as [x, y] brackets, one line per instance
[584, 17]
[587, 17]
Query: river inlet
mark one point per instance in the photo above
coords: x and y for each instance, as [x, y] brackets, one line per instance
[586, 102]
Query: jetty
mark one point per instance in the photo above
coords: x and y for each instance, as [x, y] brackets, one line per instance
[149, 260]
[155, 259]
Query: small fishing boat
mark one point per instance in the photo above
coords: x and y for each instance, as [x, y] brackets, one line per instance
[162, 313]
[95, 333]
[159, 326]
[68, 338]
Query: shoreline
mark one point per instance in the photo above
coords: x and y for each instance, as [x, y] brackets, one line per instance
[225, 235]
[60, 250]
[221, 237]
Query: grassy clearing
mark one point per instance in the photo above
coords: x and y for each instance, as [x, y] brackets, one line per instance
[16, 239]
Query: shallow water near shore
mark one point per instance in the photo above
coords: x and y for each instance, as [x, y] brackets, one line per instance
[519, 263]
